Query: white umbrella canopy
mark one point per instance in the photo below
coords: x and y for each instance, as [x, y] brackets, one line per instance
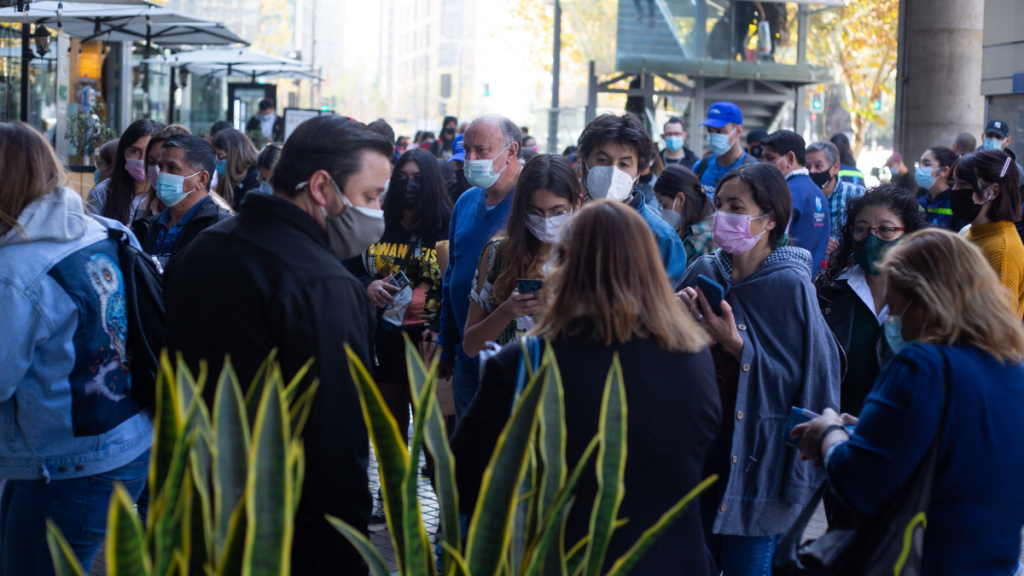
[262, 72]
[222, 57]
[122, 23]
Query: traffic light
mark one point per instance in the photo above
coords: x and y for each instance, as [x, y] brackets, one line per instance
[877, 104]
[487, 89]
[816, 103]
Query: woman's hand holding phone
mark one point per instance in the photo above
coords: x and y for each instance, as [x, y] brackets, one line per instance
[519, 305]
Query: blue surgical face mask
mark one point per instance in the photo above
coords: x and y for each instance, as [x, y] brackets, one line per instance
[893, 328]
[719, 143]
[991, 144]
[674, 143]
[266, 188]
[96, 176]
[480, 173]
[169, 188]
[923, 177]
[222, 166]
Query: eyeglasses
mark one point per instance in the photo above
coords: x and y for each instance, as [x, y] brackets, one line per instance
[883, 232]
[540, 214]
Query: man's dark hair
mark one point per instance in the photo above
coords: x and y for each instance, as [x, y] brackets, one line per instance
[330, 143]
[987, 165]
[383, 128]
[783, 142]
[199, 154]
[966, 143]
[845, 153]
[674, 120]
[219, 126]
[627, 130]
[769, 191]
[266, 104]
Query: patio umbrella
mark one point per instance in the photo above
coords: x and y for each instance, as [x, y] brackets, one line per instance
[240, 62]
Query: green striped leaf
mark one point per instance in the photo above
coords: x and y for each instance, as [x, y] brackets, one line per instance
[269, 503]
[392, 457]
[362, 545]
[292, 389]
[230, 563]
[624, 564]
[522, 522]
[552, 433]
[489, 531]
[65, 563]
[417, 555]
[168, 422]
[611, 468]
[259, 382]
[126, 542]
[436, 440]
[230, 451]
[299, 412]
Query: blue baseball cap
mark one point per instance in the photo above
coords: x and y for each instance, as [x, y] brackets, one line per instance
[722, 113]
[458, 152]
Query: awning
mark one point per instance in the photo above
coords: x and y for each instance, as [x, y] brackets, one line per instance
[237, 62]
[123, 23]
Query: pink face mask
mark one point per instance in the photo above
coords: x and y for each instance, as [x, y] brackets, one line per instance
[153, 172]
[136, 167]
[731, 232]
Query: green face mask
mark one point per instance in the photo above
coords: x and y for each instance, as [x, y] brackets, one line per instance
[869, 251]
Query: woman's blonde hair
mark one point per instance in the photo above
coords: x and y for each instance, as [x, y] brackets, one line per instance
[33, 171]
[608, 283]
[964, 299]
[241, 156]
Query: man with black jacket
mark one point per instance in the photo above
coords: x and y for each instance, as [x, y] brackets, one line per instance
[186, 163]
[271, 277]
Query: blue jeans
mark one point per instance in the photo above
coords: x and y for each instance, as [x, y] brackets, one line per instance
[465, 381]
[78, 507]
[743, 555]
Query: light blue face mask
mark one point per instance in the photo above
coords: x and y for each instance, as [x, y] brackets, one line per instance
[96, 176]
[266, 188]
[893, 328]
[222, 166]
[923, 177]
[480, 173]
[991, 144]
[674, 143]
[719, 143]
[168, 188]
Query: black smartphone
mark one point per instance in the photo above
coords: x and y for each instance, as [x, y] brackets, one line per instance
[399, 279]
[527, 286]
[713, 291]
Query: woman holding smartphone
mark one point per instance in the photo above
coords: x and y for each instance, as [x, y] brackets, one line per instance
[546, 195]
[773, 351]
[403, 272]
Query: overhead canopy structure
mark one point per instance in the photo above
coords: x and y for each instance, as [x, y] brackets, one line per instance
[118, 22]
[240, 62]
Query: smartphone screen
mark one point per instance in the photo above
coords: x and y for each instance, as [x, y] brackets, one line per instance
[528, 286]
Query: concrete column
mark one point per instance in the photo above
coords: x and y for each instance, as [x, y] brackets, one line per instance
[941, 94]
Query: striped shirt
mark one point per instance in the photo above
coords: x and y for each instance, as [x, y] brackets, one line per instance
[837, 201]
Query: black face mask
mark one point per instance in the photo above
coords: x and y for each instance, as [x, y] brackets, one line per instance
[821, 178]
[756, 151]
[407, 191]
[449, 131]
[961, 202]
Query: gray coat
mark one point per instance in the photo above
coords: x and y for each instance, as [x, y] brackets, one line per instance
[790, 358]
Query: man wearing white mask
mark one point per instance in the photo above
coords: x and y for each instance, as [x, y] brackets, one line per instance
[271, 278]
[612, 149]
[491, 145]
[725, 129]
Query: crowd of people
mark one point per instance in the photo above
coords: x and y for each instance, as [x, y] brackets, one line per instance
[735, 287]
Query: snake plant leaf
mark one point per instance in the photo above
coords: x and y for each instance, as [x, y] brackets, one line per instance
[492, 519]
[297, 465]
[436, 440]
[173, 526]
[362, 545]
[231, 556]
[202, 546]
[299, 412]
[460, 567]
[624, 564]
[552, 437]
[574, 558]
[166, 535]
[417, 551]
[230, 451]
[550, 524]
[292, 389]
[126, 543]
[392, 458]
[168, 422]
[523, 521]
[65, 562]
[611, 468]
[185, 385]
[268, 539]
[254, 394]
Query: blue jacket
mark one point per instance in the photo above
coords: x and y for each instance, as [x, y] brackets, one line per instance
[977, 505]
[789, 359]
[471, 227]
[673, 255]
[811, 223]
[65, 408]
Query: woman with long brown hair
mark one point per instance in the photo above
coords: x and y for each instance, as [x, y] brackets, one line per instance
[64, 382]
[546, 195]
[119, 197]
[237, 169]
[607, 294]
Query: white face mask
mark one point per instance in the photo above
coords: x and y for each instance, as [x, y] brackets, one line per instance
[609, 182]
[546, 229]
[480, 173]
[671, 217]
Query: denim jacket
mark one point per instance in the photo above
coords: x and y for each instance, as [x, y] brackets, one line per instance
[65, 408]
[789, 358]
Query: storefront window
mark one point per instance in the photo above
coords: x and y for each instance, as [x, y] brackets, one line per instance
[42, 82]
